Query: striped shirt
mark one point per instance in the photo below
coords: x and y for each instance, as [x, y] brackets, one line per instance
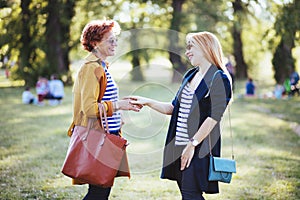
[182, 137]
[112, 94]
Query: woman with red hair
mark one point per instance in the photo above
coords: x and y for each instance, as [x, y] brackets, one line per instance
[94, 85]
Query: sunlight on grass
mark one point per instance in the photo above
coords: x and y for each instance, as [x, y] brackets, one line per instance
[8, 83]
[33, 144]
[146, 187]
[279, 187]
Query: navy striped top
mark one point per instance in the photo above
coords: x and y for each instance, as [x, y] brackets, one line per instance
[112, 94]
[182, 137]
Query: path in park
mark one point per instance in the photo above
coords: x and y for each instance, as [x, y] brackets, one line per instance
[296, 128]
[294, 125]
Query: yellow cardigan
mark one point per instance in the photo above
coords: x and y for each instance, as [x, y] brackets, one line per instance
[88, 90]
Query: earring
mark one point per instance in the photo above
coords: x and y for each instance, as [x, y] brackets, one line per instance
[95, 49]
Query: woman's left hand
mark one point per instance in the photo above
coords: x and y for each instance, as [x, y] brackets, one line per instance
[187, 155]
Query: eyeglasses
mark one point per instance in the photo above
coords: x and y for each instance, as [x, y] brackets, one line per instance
[112, 41]
[188, 47]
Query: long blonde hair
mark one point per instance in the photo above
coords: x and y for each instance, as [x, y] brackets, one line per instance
[211, 48]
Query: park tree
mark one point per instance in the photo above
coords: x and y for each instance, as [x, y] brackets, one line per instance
[42, 43]
[189, 16]
[18, 30]
[248, 21]
[176, 22]
[40, 32]
[136, 12]
[287, 29]
[141, 15]
[239, 12]
[27, 48]
[57, 45]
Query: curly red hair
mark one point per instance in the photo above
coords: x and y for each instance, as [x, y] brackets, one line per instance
[94, 31]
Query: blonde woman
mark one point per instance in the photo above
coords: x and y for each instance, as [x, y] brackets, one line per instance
[196, 112]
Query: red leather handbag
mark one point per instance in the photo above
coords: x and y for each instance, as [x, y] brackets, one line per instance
[95, 156]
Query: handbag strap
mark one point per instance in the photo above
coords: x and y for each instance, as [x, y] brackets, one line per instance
[103, 115]
[229, 119]
[231, 135]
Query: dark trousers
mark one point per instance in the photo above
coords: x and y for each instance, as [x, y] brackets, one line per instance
[187, 183]
[97, 193]
[189, 194]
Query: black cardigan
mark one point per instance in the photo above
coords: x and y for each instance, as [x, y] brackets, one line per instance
[210, 100]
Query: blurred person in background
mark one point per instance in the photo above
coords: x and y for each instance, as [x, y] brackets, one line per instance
[42, 89]
[294, 79]
[250, 87]
[56, 90]
[28, 97]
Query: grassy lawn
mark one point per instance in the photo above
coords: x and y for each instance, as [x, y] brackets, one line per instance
[33, 145]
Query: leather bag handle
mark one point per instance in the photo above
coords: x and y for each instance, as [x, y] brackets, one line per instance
[103, 115]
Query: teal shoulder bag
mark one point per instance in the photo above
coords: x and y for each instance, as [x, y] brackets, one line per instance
[221, 169]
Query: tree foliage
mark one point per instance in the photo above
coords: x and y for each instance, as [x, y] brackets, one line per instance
[41, 32]
[142, 14]
[287, 28]
[46, 33]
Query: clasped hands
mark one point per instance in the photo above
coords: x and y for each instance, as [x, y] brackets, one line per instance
[137, 103]
[133, 103]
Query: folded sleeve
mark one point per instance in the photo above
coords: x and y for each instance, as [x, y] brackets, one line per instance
[220, 95]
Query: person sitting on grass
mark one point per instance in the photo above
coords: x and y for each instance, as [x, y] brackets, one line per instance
[42, 89]
[56, 90]
[28, 97]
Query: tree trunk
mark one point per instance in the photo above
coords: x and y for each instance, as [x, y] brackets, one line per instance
[26, 48]
[175, 58]
[283, 62]
[136, 72]
[287, 25]
[53, 37]
[58, 35]
[68, 13]
[241, 66]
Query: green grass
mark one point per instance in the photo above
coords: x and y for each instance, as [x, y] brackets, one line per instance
[33, 144]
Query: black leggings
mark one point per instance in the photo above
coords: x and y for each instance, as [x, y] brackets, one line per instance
[190, 195]
[97, 193]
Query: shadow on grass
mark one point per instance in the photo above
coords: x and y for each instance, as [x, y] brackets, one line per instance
[33, 145]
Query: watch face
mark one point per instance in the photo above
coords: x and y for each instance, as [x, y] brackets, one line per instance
[195, 143]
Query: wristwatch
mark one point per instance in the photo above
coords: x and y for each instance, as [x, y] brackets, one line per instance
[194, 142]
